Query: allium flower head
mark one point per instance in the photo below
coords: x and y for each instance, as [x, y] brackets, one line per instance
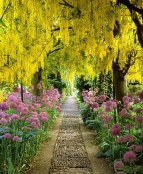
[141, 95]
[15, 138]
[3, 121]
[128, 138]
[7, 136]
[102, 97]
[120, 172]
[15, 117]
[39, 86]
[129, 157]
[118, 165]
[115, 130]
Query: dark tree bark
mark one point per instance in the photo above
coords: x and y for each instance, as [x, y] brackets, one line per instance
[36, 79]
[119, 82]
[21, 92]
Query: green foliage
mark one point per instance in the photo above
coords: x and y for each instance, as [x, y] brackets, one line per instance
[55, 81]
[104, 85]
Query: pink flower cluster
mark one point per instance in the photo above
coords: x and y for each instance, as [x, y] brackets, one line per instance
[136, 148]
[118, 165]
[106, 119]
[125, 139]
[115, 130]
[129, 157]
[109, 105]
[90, 98]
[9, 136]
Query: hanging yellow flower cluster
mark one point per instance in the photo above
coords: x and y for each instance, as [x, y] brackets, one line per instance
[85, 28]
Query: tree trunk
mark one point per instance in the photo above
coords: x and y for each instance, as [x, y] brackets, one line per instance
[119, 81]
[36, 79]
[21, 92]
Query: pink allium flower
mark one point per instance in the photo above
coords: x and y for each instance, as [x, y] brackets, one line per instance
[36, 127]
[16, 89]
[102, 97]
[136, 100]
[15, 117]
[139, 148]
[138, 110]
[126, 98]
[29, 119]
[58, 108]
[118, 165]
[106, 119]
[33, 124]
[49, 104]
[108, 109]
[123, 112]
[95, 105]
[131, 108]
[115, 130]
[105, 125]
[109, 103]
[129, 157]
[132, 148]
[139, 119]
[22, 118]
[4, 106]
[128, 138]
[120, 140]
[44, 119]
[7, 136]
[3, 121]
[31, 87]
[13, 105]
[120, 172]
[39, 86]
[128, 126]
[100, 112]
[15, 138]
[141, 95]
[96, 98]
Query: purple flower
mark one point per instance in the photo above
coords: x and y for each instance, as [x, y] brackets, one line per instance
[95, 105]
[44, 119]
[3, 121]
[118, 165]
[7, 136]
[115, 130]
[102, 97]
[4, 106]
[15, 138]
[128, 126]
[129, 157]
[123, 112]
[128, 138]
[39, 86]
[15, 117]
[141, 95]
[120, 172]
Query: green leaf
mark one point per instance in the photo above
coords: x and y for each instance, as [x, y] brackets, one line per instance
[100, 155]
[108, 153]
[140, 170]
[2, 23]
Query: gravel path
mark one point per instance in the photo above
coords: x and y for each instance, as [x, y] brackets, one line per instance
[70, 156]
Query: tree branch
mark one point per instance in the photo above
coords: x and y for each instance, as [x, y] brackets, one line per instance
[131, 6]
[132, 54]
[54, 51]
[5, 10]
[71, 6]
